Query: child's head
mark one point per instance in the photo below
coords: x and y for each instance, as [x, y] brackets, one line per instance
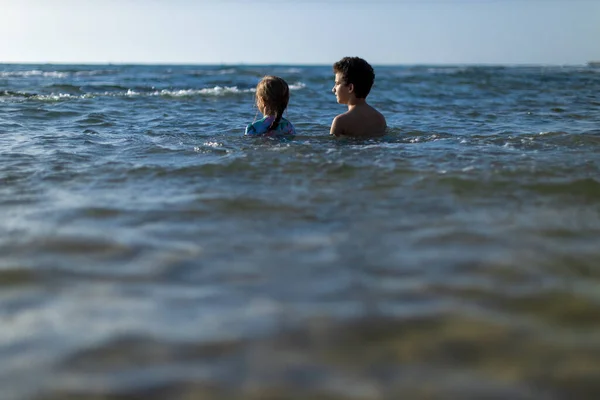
[356, 72]
[272, 97]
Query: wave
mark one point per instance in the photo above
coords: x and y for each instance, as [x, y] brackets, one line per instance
[96, 72]
[297, 86]
[66, 88]
[75, 92]
[291, 70]
[10, 93]
[540, 140]
[41, 97]
[212, 72]
[106, 88]
[445, 70]
[215, 91]
[34, 73]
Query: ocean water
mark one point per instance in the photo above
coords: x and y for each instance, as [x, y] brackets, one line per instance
[148, 250]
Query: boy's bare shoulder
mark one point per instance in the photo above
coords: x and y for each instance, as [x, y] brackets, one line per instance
[377, 116]
[344, 118]
[363, 121]
[340, 124]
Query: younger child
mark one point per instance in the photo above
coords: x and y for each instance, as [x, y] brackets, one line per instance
[354, 78]
[272, 97]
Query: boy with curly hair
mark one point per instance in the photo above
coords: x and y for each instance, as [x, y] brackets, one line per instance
[354, 78]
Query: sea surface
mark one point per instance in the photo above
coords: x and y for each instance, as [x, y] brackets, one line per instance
[148, 250]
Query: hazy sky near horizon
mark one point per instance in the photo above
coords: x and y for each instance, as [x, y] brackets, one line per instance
[300, 31]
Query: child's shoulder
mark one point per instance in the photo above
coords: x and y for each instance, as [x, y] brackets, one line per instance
[261, 127]
[359, 122]
[257, 127]
[285, 124]
[365, 112]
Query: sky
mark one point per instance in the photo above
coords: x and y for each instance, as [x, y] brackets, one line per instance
[300, 31]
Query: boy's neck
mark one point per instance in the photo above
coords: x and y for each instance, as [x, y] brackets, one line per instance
[353, 102]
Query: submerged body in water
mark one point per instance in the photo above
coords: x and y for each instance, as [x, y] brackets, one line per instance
[148, 248]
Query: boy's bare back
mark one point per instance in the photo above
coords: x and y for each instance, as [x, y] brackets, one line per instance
[354, 78]
[359, 121]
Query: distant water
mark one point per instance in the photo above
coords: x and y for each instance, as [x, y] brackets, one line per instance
[150, 251]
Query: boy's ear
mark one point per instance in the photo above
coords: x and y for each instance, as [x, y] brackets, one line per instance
[351, 87]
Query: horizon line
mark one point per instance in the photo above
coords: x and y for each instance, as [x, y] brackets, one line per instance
[227, 64]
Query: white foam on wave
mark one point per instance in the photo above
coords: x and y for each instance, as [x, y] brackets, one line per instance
[53, 74]
[209, 72]
[213, 144]
[227, 71]
[67, 96]
[289, 71]
[56, 96]
[94, 72]
[210, 91]
[215, 91]
[60, 96]
[297, 86]
[446, 70]
[34, 73]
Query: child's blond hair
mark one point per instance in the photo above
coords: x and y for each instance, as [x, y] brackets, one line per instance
[272, 97]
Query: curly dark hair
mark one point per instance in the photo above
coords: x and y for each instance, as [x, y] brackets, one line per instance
[358, 72]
